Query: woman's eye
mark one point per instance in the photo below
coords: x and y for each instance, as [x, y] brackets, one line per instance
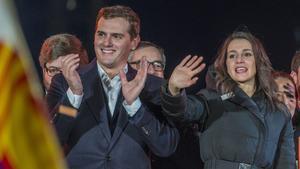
[248, 54]
[231, 56]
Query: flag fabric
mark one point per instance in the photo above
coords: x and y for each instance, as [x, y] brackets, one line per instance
[27, 139]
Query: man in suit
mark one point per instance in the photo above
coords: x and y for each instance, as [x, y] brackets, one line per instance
[115, 126]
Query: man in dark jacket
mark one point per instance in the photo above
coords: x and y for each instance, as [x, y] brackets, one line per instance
[116, 125]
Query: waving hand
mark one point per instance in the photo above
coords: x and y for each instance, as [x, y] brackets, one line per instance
[184, 74]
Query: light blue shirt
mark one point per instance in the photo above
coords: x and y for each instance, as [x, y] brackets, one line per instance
[112, 94]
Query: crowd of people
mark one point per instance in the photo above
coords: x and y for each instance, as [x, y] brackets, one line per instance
[119, 112]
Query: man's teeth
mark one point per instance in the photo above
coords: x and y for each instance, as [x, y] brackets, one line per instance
[108, 51]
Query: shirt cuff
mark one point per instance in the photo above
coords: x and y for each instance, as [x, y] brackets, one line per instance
[74, 99]
[133, 108]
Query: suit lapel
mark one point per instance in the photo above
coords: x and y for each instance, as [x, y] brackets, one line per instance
[94, 98]
[123, 116]
[121, 125]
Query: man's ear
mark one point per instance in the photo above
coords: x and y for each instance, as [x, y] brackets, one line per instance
[135, 42]
[293, 74]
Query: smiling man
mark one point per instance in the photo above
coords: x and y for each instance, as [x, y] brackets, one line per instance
[116, 125]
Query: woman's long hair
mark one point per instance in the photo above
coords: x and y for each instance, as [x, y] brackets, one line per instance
[263, 77]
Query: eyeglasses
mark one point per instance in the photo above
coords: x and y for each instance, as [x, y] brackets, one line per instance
[52, 70]
[157, 65]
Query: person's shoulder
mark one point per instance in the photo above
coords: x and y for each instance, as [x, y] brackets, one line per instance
[208, 93]
[153, 78]
[89, 67]
[153, 82]
[89, 72]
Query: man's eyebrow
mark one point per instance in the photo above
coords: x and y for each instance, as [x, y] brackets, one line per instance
[118, 34]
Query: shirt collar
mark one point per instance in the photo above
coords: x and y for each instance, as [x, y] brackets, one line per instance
[101, 71]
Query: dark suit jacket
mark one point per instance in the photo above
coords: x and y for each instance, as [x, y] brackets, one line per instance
[88, 136]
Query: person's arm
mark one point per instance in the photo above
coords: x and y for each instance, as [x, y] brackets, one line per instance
[57, 96]
[176, 105]
[286, 149]
[142, 103]
[158, 132]
[69, 79]
[160, 135]
[182, 108]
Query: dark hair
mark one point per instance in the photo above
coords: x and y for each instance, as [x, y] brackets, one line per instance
[263, 77]
[125, 12]
[60, 45]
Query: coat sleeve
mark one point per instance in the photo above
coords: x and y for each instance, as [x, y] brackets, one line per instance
[183, 108]
[286, 148]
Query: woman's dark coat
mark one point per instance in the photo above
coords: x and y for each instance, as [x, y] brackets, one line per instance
[242, 130]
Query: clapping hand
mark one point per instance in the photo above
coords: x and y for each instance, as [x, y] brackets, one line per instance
[132, 89]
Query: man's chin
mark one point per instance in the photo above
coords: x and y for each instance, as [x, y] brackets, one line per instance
[107, 64]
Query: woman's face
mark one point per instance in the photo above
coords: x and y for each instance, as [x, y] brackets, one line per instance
[240, 62]
[286, 93]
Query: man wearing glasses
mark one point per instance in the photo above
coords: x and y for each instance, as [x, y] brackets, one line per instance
[187, 151]
[154, 55]
[57, 48]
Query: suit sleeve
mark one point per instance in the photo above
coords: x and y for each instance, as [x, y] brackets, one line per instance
[56, 97]
[160, 135]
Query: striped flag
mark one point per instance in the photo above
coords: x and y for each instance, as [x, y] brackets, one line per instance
[27, 140]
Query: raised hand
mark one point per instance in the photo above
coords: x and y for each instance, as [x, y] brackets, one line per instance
[184, 74]
[132, 89]
[69, 64]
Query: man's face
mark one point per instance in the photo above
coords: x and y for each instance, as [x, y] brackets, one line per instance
[152, 55]
[50, 69]
[286, 93]
[113, 43]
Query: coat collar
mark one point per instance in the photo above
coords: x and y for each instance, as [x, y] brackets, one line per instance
[242, 99]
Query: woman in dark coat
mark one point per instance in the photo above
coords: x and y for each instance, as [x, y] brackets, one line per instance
[246, 127]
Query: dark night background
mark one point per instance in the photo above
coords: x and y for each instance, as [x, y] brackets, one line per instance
[180, 27]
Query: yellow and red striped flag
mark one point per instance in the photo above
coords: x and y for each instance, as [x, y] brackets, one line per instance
[27, 139]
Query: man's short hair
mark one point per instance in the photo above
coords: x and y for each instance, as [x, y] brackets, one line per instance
[60, 45]
[124, 12]
[295, 61]
[144, 44]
